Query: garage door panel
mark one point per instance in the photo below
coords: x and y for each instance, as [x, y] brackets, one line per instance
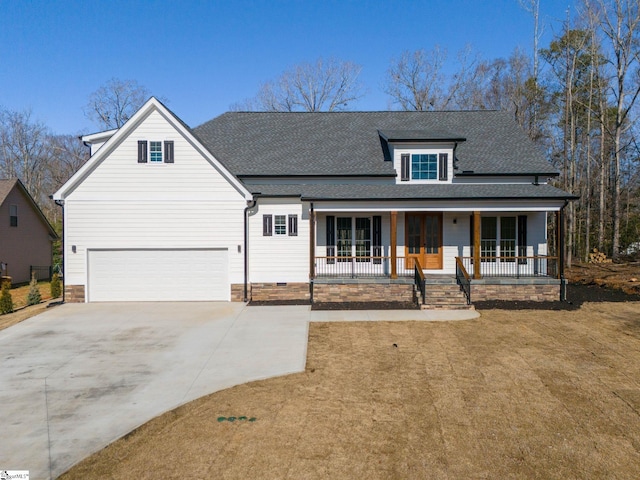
[158, 275]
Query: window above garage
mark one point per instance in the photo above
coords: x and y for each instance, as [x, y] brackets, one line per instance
[155, 151]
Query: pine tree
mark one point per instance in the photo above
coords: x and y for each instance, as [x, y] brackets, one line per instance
[34, 297]
[6, 302]
[56, 288]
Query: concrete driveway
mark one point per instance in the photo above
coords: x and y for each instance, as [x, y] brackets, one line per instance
[79, 376]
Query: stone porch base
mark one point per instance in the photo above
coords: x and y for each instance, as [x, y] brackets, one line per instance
[363, 290]
[509, 289]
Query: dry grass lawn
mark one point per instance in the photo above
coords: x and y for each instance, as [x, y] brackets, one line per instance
[531, 394]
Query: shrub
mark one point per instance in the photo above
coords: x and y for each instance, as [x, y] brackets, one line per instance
[56, 287]
[34, 297]
[6, 302]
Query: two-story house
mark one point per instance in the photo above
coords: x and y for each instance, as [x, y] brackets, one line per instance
[312, 207]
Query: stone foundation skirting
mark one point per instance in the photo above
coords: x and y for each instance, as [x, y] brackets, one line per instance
[237, 292]
[515, 292]
[74, 293]
[362, 292]
[267, 292]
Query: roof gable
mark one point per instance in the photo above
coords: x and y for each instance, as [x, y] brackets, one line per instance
[116, 138]
[8, 185]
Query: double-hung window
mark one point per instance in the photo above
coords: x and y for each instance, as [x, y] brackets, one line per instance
[155, 152]
[280, 224]
[354, 236]
[13, 215]
[503, 237]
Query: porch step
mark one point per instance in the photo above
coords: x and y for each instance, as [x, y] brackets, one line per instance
[445, 296]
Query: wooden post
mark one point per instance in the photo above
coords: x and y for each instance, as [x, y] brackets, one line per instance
[560, 242]
[476, 245]
[394, 243]
[312, 243]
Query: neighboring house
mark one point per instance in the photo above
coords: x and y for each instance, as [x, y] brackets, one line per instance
[25, 234]
[311, 206]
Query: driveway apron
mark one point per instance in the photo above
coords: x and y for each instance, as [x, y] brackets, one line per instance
[80, 376]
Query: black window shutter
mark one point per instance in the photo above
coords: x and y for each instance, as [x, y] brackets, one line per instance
[377, 239]
[404, 167]
[168, 151]
[444, 163]
[331, 239]
[293, 225]
[142, 151]
[522, 238]
[267, 222]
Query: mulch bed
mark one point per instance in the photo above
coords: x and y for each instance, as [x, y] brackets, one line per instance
[577, 294]
[365, 306]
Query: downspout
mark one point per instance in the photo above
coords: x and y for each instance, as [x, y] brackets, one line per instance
[60, 203]
[246, 244]
[312, 251]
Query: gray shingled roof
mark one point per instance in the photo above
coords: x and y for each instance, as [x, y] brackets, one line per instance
[451, 191]
[348, 143]
[6, 185]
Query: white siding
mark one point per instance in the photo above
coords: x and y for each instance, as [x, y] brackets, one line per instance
[123, 204]
[279, 258]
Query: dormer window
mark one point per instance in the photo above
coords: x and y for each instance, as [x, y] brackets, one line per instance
[424, 166]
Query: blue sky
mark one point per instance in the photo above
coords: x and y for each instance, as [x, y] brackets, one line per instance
[202, 56]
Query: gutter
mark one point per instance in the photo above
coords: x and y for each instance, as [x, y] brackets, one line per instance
[246, 244]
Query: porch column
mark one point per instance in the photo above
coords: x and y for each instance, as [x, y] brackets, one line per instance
[312, 243]
[476, 245]
[394, 242]
[560, 245]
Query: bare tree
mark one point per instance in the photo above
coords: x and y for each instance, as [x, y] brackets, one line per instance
[415, 81]
[619, 22]
[68, 154]
[24, 150]
[326, 85]
[111, 105]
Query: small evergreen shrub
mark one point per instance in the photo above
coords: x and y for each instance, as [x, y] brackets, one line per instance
[56, 287]
[6, 302]
[34, 297]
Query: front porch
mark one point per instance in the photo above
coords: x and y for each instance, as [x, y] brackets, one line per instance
[489, 266]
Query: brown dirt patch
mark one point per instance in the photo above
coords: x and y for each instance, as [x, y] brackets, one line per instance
[620, 276]
[527, 395]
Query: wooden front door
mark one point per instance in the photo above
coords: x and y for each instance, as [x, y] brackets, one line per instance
[424, 240]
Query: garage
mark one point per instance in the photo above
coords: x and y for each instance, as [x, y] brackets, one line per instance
[153, 275]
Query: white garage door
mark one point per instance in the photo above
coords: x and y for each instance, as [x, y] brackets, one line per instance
[158, 275]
